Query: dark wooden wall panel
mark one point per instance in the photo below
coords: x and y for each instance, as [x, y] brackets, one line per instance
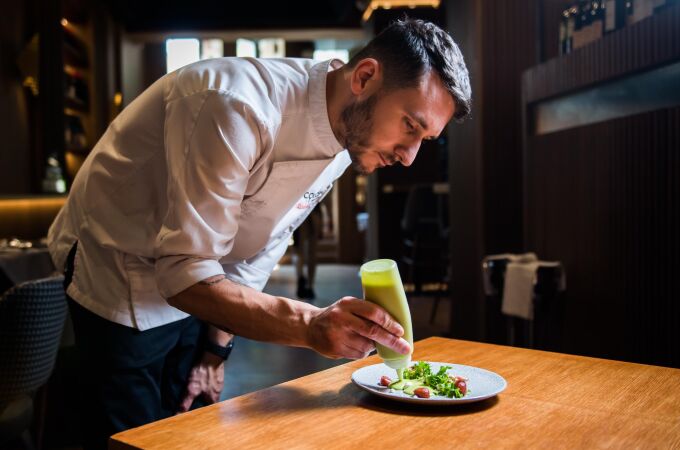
[605, 200]
[464, 22]
[509, 46]
[498, 40]
[16, 104]
[551, 14]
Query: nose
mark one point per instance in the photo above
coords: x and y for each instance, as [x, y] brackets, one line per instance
[407, 153]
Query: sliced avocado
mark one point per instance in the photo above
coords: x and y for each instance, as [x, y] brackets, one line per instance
[398, 384]
[412, 385]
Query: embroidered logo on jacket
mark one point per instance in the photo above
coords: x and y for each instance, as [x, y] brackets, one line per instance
[311, 198]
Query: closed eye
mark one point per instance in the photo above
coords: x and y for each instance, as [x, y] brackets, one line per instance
[410, 127]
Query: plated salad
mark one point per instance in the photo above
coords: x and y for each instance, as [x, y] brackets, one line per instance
[419, 380]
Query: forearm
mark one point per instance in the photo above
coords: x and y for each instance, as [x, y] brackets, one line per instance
[247, 312]
[218, 336]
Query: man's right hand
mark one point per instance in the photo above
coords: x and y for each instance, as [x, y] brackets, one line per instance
[349, 327]
[346, 329]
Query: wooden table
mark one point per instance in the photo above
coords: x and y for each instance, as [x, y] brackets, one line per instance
[552, 401]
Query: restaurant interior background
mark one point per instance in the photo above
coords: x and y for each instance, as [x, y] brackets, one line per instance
[572, 150]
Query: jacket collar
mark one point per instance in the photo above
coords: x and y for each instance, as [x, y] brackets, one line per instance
[319, 110]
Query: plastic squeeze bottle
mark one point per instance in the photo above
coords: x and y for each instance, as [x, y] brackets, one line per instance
[382, 285]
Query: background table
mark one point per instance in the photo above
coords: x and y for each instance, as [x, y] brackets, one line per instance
[552, 401]
[18, 265]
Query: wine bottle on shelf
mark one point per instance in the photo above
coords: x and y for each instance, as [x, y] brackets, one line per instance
[571, 26]
[579, 29]
[609, 16]
[615, 15]
[630, 9]
[53, 182]
[597, 23]
[562, 48]
[586, 22]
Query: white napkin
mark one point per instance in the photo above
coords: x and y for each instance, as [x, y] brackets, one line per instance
[518, 291]
[511, 257]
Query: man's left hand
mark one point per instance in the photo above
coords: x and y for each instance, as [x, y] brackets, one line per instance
[206, 380]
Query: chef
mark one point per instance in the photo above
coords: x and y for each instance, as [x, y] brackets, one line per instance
[178, 216]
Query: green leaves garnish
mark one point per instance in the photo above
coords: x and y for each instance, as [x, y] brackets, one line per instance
[419, 370]
[440, 383]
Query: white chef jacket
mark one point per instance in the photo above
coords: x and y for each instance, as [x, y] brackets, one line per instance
[207, 172]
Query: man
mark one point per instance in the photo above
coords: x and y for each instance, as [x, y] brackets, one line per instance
[178, 216]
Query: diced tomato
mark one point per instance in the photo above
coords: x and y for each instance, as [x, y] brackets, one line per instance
[461, 385]
[385, 380]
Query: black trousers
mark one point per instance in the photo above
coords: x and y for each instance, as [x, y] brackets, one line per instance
[128, 377]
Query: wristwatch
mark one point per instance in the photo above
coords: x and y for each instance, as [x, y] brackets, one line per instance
[218, 350]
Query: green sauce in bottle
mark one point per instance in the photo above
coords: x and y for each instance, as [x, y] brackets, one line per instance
[382, 285]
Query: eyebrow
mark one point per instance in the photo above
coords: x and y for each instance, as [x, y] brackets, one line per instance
[418, 118]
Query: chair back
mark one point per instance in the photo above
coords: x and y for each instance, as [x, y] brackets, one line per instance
[32, 316]
[424, 211]
[425, 249]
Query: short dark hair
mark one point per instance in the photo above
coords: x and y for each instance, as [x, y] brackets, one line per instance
[408, 49]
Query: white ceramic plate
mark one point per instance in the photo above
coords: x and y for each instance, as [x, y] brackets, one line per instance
[481, 383]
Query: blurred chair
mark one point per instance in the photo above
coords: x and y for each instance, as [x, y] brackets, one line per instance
[425, 242]
[547, 333]
[544, 332]
[493, 276]
[32, 316]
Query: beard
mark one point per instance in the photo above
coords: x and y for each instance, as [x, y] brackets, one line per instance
[357, 120]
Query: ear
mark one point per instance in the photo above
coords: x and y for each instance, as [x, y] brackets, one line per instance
[366, 77]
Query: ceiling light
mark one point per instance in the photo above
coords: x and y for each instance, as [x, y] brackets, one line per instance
[388, 4]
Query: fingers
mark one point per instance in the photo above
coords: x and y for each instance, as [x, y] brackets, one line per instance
[212, 396]
[186, 402]
[375, 332]
[206, 381]
[376, 324]
[350, 327]
[216, 384]
[357, 347]
[374, 313]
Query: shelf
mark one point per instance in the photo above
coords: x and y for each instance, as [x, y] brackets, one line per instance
[638, 93]
[79, 150]
[74, 112]
[75, 50]
[650, 43]
[72, 104]
[76, 72]
[6, 198]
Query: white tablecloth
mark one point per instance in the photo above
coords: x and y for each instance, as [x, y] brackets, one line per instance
[19, 265]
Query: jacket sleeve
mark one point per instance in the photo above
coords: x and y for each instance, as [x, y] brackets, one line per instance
[212, 140]
[255, 272]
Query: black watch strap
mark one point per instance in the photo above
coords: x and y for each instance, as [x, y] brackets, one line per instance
[218, 350]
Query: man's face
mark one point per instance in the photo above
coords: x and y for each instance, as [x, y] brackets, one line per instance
[388, 127]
